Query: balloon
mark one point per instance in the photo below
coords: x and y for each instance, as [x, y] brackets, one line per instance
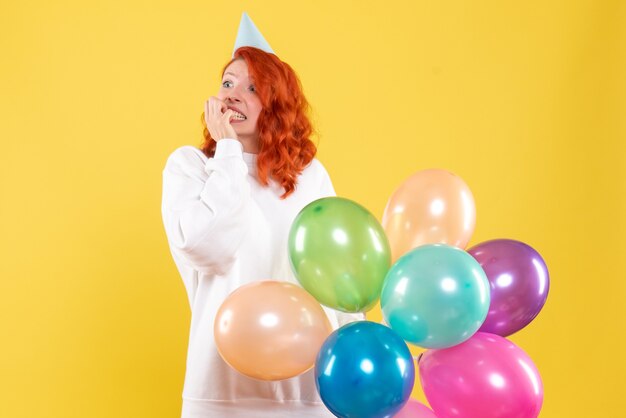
[430, 207]
[435, 296]
[270, 330]
[414, 409]
[364, 370]
[339, 253]
[519, 284]
[485, 377]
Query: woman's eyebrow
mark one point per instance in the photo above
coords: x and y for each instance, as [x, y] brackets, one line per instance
[233, 74]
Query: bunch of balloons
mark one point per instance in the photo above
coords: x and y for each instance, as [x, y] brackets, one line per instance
[458, 304]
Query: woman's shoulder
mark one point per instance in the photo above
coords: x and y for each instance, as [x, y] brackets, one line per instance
[187, 155]
[187, 152]
[315, 177]
[315, 167]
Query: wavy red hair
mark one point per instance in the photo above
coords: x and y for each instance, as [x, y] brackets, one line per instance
[285, 148]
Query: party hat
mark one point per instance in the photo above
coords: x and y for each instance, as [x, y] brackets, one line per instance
[249, 35]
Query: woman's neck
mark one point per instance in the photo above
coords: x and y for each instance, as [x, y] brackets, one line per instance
[250, 145]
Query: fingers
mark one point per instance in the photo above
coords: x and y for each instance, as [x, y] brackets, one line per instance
[227, 115]
[212, 107]
[206, 112]
[216, 106]
[218, 118]
[210, 110]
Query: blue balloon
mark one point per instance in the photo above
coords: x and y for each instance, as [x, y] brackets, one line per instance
[365, 370]
[435, 296]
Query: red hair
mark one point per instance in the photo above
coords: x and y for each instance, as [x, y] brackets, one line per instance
[285, 148]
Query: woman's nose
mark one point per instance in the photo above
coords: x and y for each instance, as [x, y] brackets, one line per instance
[232, 99]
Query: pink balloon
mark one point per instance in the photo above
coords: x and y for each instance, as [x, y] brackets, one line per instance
[487, 376]
[414, 409]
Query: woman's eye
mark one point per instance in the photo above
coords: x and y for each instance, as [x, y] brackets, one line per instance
[252, 89]
[226, 84]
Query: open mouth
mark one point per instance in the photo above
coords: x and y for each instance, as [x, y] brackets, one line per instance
[238, 116]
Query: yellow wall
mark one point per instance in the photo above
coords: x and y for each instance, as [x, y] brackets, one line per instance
[525, 101]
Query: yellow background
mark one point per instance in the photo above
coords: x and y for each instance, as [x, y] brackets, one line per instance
[526, 101]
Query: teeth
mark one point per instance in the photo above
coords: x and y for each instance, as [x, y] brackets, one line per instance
[237, 115]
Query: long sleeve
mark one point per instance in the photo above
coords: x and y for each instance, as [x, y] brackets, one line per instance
[203, 206]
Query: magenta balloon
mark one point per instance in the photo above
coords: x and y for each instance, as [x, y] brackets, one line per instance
[487, 376]
[414, 409]
[519, 282]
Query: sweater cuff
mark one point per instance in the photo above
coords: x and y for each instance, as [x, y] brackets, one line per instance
[228, 147]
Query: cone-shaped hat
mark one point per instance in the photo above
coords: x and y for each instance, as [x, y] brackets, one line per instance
[249, 35]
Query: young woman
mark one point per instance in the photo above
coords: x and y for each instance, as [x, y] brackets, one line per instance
[227, 209]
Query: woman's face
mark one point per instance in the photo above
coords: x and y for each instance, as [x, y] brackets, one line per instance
[239, 94]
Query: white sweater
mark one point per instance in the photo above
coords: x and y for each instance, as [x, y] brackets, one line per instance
[225, 230]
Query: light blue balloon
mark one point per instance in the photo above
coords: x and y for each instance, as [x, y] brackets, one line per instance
[364, 370]
[435, 296]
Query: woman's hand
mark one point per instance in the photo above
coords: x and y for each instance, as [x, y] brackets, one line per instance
[217, 117]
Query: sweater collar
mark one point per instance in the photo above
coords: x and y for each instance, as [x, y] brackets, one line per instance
[250, 160]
